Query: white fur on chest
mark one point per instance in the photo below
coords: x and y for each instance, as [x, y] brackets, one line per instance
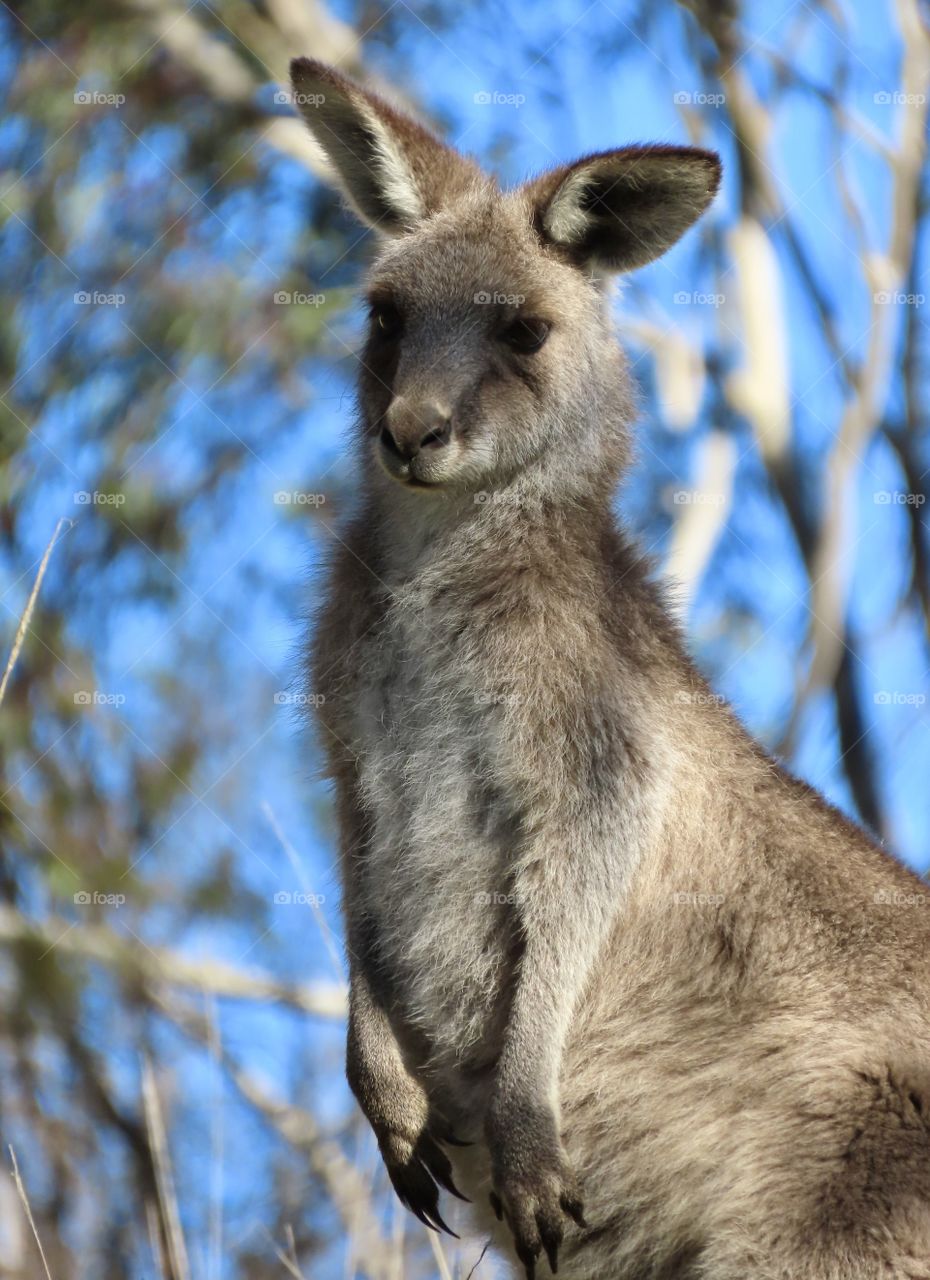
[435, 878]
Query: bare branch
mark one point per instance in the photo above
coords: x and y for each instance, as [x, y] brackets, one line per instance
[23, 628]
[28, 1211]
[164, 1180]
[343, 1181]
[157, 965]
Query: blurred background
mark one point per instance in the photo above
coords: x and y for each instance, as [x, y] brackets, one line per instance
[176, 338]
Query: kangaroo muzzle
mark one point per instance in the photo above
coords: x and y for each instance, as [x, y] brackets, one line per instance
[412, 426]
[417, 443]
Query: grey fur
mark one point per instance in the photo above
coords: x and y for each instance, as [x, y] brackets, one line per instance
[593, 930]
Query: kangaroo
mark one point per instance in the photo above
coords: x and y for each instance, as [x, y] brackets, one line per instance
[645, 999]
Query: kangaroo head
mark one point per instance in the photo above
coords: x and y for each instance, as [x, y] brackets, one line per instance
[490, 354]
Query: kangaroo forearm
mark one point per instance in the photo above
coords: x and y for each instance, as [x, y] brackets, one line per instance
[567, 907]
[375, 1067]
[374, 1064]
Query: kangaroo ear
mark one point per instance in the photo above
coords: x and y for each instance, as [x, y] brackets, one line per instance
[621, 209]
[392, 170]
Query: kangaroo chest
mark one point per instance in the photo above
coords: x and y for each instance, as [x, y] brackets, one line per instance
[428, 740]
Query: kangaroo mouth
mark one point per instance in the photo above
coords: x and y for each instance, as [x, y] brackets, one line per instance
[404, 473]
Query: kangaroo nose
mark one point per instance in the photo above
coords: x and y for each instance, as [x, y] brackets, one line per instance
[419, 426]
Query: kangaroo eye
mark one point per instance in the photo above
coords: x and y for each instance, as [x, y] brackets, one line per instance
[526, 335]
[386, 319]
